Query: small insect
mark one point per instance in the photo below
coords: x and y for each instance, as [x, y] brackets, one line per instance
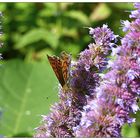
[61, 67]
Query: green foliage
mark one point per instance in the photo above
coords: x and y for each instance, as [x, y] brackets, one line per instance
[32, 27]
[37, 35]
[32, 30]
[101, 12]
[25, 95]
[130, 131]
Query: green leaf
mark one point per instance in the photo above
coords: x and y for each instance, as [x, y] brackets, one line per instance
[2, 7]
[130, 131]
[49, 10]
[36, 35]
[101, 12]
[123, 6]
[26, 91]
[78, 15]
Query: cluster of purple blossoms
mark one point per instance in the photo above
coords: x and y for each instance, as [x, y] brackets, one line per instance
[84, 77]
[116, 97]
[97, 104]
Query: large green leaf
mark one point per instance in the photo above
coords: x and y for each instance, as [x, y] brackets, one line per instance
[26, 91]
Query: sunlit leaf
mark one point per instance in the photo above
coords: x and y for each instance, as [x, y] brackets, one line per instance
[101, 12]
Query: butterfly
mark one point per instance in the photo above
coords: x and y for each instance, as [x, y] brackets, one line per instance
[61, 67]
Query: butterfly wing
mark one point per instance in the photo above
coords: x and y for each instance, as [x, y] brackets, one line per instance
[56, 64]
[66, 60]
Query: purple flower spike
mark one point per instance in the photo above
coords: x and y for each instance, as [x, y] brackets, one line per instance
[115, 98]
[103, 37]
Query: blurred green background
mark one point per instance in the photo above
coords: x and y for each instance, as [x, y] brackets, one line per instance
[28, 86]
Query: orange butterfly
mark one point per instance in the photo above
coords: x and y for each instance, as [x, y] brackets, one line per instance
[61, 67]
